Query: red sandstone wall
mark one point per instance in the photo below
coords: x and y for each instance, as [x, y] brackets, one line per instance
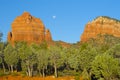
[28, 28]
[101, 25]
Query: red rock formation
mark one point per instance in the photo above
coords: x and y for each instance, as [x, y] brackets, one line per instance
[48, 35]
[28, 28]
[101, 25]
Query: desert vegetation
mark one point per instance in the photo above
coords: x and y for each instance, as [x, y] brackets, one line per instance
[96, 59]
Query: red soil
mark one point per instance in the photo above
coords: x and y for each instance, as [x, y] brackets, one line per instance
[35, 78]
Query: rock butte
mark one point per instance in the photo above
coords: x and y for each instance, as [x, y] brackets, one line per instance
[29, 29]
[101, 25]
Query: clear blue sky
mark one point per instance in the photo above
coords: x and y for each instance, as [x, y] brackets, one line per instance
[71, 15]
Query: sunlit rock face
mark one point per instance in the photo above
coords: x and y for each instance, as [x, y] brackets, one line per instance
[29, 29]
[48, 35]
[101, 25]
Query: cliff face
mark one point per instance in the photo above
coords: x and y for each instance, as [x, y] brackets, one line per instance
[101, 25]
[48, 35]
[29, 29]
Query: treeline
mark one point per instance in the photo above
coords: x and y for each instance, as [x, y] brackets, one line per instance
[97, 59]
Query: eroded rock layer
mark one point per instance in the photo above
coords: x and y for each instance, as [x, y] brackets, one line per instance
[29, 29]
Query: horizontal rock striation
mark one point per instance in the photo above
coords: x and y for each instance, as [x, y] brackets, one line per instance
[29, 29]
[101, 25]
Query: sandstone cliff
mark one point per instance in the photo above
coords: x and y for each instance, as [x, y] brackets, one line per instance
[101, 25]
[48, 35]
[29, 29]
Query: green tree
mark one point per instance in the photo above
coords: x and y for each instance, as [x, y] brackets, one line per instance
[105, 66]
[56, 58]
[115, 51]
[27, 56]
[10, 56]
[86, 57]
[67, 52]
[85, 75]
[42, 56]
[72, 58]
[2, 46]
